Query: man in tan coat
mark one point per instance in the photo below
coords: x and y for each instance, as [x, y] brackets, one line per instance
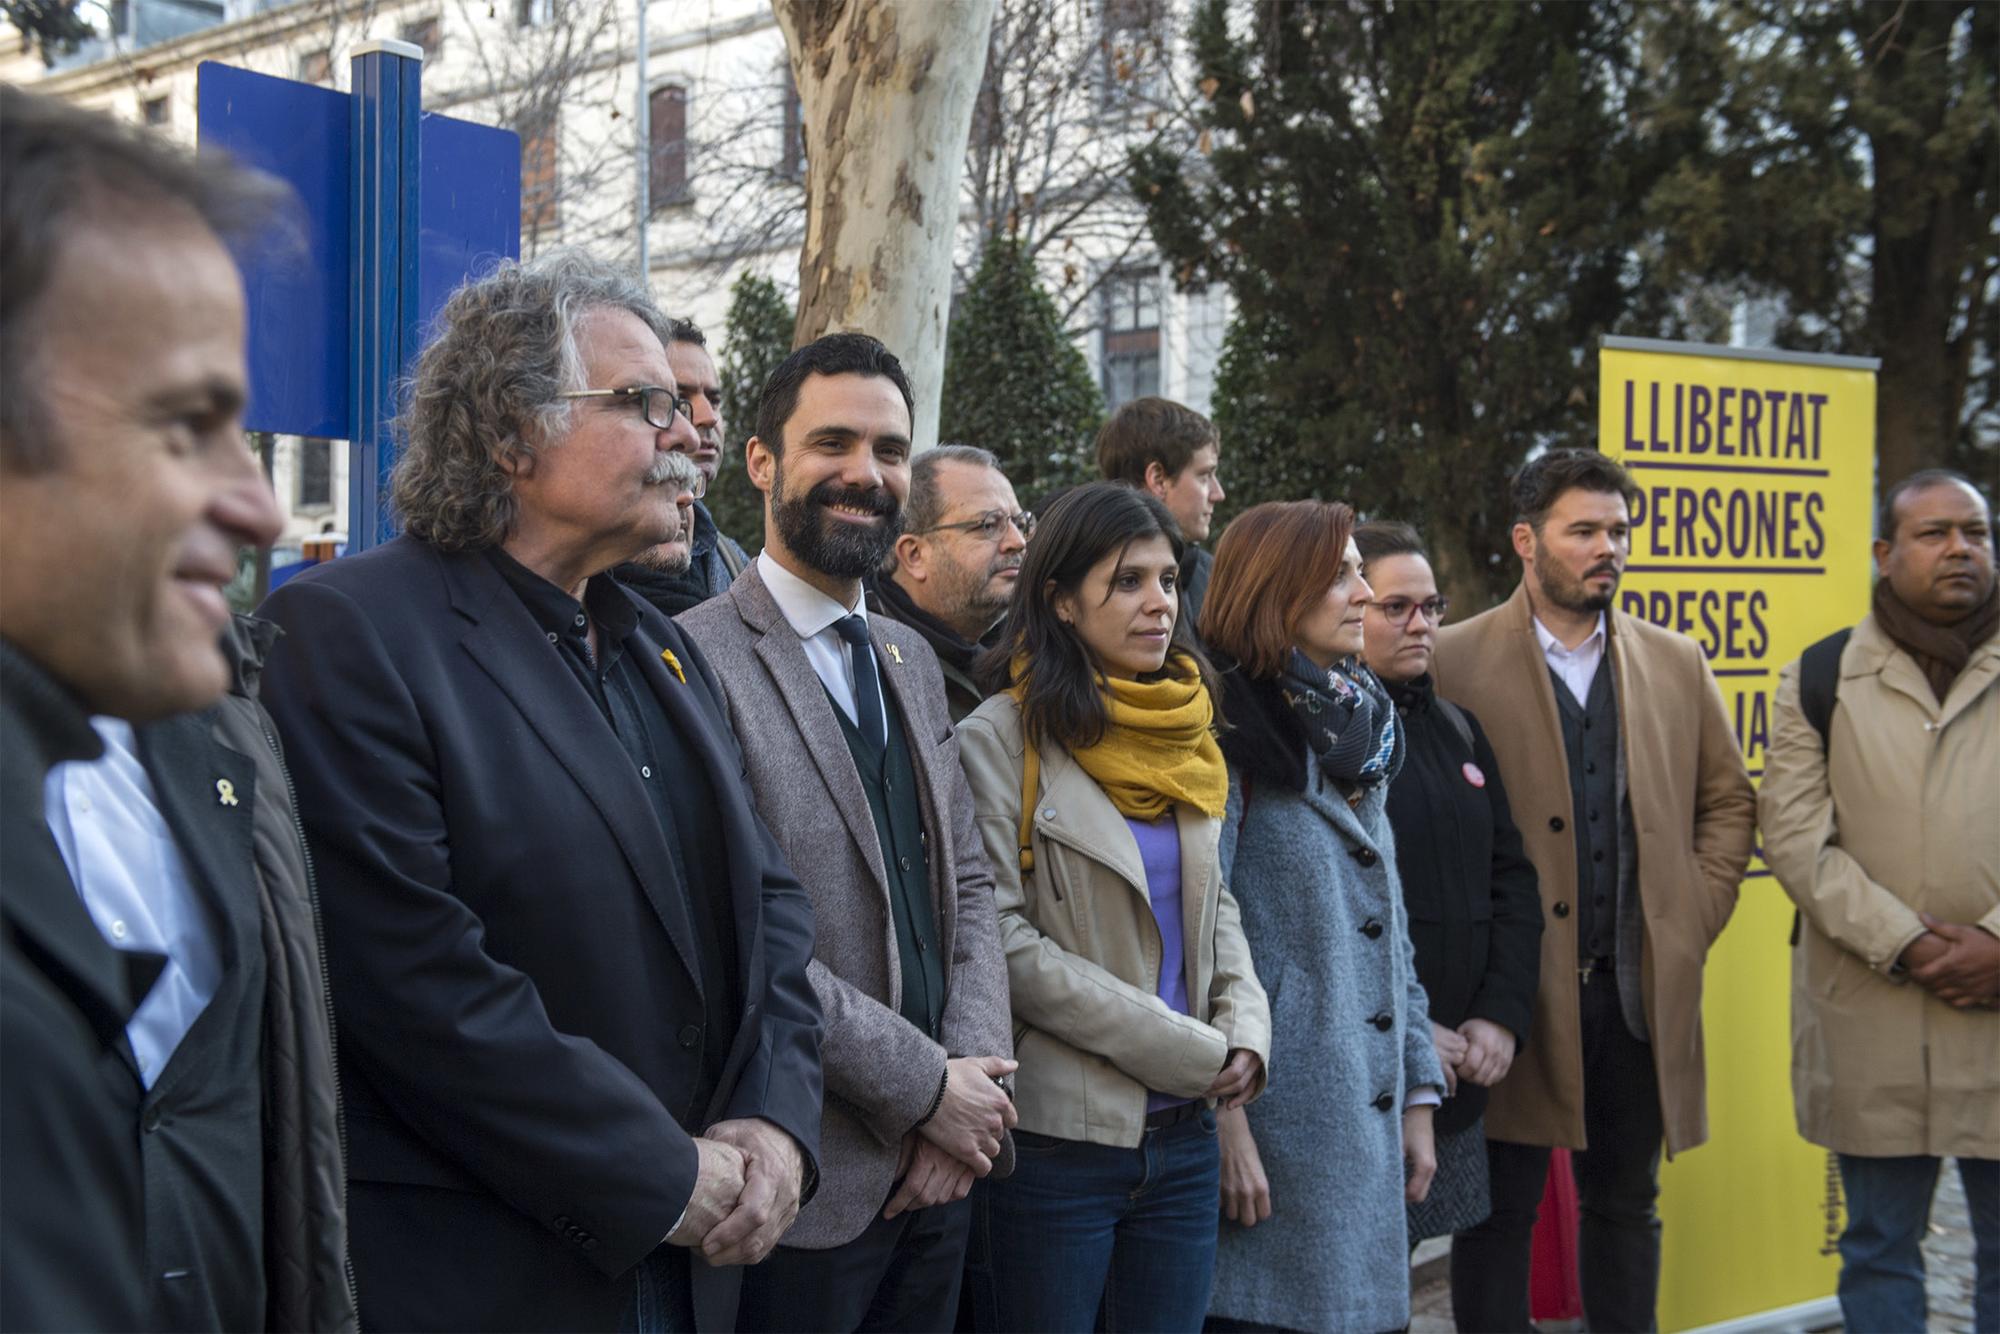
[1635, 808]
[1884, 835]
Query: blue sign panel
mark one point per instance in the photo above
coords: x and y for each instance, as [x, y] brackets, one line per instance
[297, 285]
[301, 294]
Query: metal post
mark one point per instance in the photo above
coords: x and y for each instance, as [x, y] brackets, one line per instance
[645, 122]
[386, 108]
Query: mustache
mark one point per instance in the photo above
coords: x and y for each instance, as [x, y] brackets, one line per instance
[676, 468]
[1608, 567]
[873, 499]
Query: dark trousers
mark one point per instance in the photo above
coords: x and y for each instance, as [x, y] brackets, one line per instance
[900, 1274]
[1617, 1184]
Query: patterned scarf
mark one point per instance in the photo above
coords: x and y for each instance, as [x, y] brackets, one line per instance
[1346, 716]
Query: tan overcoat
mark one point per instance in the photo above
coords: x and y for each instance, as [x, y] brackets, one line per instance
[1899, 814]
[1692, 808]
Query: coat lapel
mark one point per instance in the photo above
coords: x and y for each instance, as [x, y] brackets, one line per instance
[934, 786]
[1972, 682]
[1076, 812]
[207, 793]
[510, 649]
[793, 677]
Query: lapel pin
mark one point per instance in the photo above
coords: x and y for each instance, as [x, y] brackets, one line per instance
[225, 792]
[673, 665]
[895, 653]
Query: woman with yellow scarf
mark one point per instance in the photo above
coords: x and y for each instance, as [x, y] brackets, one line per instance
[1100, 789]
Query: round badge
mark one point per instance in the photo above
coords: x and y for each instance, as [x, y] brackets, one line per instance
[1473, 775]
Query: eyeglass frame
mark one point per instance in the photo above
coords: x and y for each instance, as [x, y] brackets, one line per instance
[681, 404]
[1024, 522]
[1442, 603]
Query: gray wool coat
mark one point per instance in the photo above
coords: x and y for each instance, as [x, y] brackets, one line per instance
[1314, 880]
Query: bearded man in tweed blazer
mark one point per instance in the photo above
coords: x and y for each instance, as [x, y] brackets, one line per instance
[849, 749]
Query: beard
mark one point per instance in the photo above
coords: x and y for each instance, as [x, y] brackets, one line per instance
[843, 550]
[671, 558]
[969, 593]
[1569, 592]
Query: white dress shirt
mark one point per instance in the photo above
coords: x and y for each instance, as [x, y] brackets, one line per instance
[135, 882]
[1576, 666]
[811, 615]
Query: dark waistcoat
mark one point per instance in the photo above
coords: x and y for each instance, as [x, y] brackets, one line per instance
[1609, 925]
[890, 780]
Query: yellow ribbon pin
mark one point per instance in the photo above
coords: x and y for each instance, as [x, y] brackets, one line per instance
[896, 653]
[673, 665]
[225, 792]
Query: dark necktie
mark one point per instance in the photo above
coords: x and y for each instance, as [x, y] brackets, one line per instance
[867, 684]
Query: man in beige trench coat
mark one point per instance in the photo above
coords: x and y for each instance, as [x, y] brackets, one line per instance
[1615, 746]
[1886, 837]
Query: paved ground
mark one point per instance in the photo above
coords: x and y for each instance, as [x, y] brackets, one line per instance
[1947, 1259]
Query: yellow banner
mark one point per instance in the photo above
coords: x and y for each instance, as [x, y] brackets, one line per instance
[1751, 534]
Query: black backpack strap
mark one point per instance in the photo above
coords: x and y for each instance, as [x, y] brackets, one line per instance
[1819, 682]
[1456, 717]
[1819, 687]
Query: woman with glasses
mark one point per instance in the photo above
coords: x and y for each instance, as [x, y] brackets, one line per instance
[1316, 1174]
[1099, 789]
[1475, 913]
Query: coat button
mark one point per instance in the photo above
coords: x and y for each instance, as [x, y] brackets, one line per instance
[1383, 1022]
[1372, 929]
[1556, 823]
[1561, 909]
[902, 863]
[1383, 1102]
[1366, 856]
[690, 1034]
[562, 1221]
[152, 1121]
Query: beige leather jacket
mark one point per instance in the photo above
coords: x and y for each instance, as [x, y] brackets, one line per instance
[1083, 948]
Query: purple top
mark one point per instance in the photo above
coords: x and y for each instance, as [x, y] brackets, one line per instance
[1160, 853]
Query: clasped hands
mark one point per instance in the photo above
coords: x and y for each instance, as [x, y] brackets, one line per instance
[1479, 1051]
[942, 1157]
[1958, 964]
[746, 1192]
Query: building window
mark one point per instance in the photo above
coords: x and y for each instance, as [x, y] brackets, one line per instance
[1133, 67]
[534, 13]
[539, 172]
[316, 66]
[1131, 360]
[668, 181]
[315, 473]
[792, 144]
[424, 33]
[157, 111]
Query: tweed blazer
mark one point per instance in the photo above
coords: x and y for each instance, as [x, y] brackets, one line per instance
[1692, 808]
[882, 1074]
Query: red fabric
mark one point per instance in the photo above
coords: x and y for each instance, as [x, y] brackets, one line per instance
[1553, 1290]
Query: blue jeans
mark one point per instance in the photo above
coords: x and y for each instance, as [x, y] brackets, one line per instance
[1086, 1236]
[1881, 1252]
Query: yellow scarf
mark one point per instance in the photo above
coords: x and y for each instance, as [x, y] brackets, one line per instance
[1159, 746]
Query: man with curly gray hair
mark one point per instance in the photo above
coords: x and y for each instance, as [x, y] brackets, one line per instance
[569, 959]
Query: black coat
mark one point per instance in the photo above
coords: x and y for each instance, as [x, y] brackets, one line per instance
[1475, 909]
[512, 953]
[71, 1205]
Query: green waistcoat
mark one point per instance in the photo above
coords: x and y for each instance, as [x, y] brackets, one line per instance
[890, 781]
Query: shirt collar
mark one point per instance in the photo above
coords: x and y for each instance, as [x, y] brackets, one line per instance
[1551, 645]
[557, 613]
[808, 610]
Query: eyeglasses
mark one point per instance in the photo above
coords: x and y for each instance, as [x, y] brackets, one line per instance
[656, 405]
[990, 526]
[1398, 611]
